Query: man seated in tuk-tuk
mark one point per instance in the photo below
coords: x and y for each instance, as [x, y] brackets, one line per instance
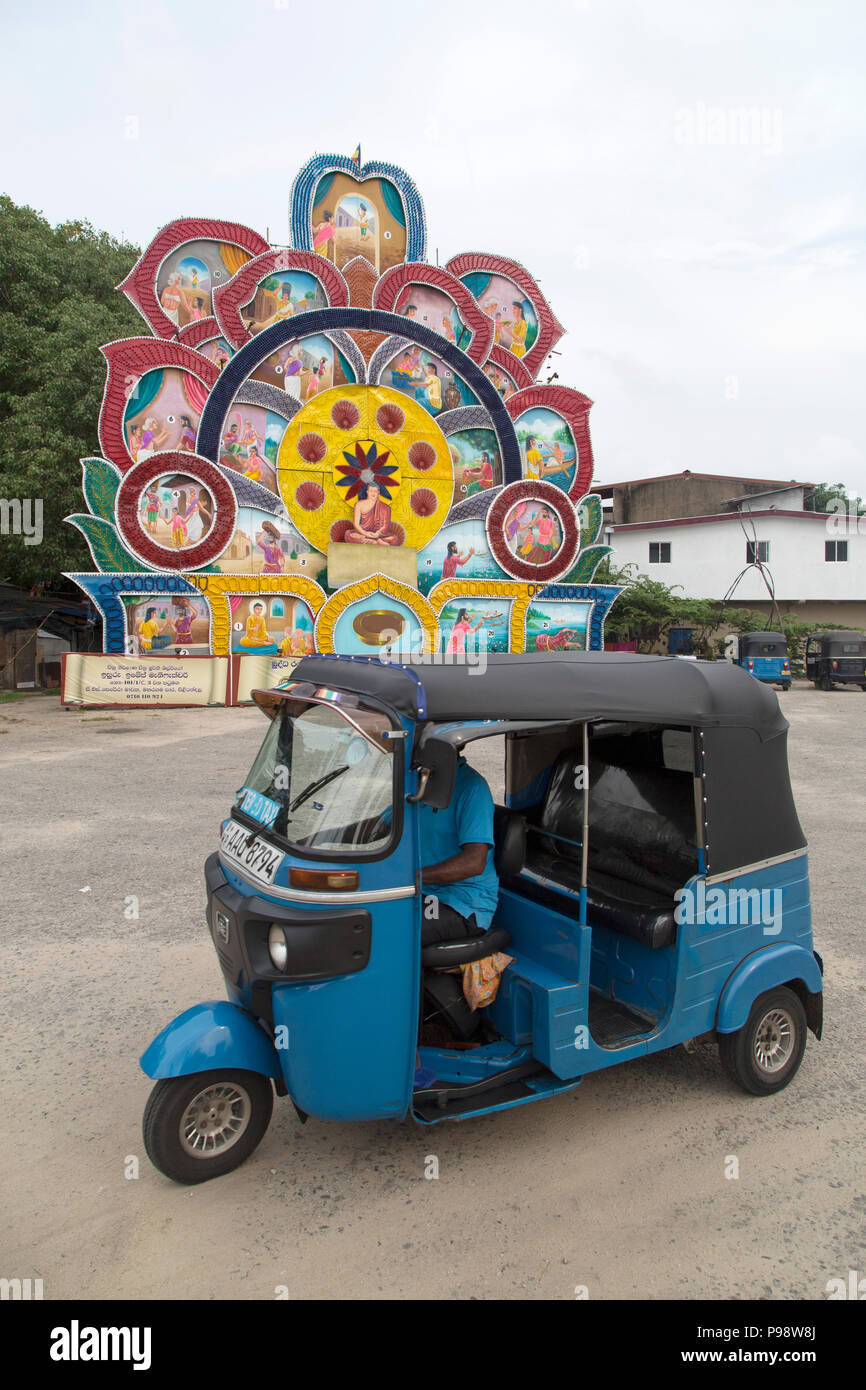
[457, 850]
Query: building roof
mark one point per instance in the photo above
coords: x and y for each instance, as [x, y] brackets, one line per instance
[768, 492]
[772, 483]
[58, 615]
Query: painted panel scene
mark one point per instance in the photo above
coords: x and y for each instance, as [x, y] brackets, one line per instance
[376, 625]
[189, 274]
[216, 350]
[533, 532]
[176, 511]
[271, 625]
[514, 319]
[167, 625]
[425, 377]
[547, 447]
[501, 380]
[476, 460]
[352, 218]
[557, 627]
[163, 412]
[433, 308]
[282, 295]
[474, 625]
[266, 544]
[244, 446]
[459, 551]
[305, 367]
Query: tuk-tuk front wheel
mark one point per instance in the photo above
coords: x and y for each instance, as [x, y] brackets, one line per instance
[764, 1054]
[202, 1126]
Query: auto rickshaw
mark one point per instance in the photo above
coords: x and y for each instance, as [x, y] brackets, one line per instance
[765, 656]
[653, 890]
[836, 658]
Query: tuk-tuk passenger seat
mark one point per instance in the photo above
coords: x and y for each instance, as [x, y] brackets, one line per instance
[638, 853]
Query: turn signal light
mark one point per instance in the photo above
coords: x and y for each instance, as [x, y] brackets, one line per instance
[324, 880]
[835, 666]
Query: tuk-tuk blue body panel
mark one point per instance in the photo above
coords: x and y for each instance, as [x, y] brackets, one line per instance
[772, 669]
[350, 1042]
[709, 952]
[773, 965]
[710, 971]
[211, 1037]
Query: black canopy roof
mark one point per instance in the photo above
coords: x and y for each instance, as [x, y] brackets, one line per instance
[762, 636]
[573, 685]
[844, 635]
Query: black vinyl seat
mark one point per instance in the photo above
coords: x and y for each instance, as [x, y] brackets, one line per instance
[611, 902]
[639, 848]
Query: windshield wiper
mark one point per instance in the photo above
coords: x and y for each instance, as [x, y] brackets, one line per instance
[314, 786]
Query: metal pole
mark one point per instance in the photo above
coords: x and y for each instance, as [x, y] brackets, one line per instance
[584, 853]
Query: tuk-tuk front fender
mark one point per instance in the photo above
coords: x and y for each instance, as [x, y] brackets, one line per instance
[211, 1037]
[781, 964]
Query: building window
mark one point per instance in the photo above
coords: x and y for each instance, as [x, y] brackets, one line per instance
[835, 550]
[660, 552]
[757, 552]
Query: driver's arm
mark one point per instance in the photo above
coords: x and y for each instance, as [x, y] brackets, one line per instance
[467, 864]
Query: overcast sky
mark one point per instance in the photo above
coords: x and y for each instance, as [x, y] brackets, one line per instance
[708, 268]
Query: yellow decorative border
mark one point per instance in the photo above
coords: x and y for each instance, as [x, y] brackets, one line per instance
[337, 604]
[447, 590]
[221, 586]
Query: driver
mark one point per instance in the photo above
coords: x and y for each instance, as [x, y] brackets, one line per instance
[457, 853]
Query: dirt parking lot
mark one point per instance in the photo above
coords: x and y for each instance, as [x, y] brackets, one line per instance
[618, 1186]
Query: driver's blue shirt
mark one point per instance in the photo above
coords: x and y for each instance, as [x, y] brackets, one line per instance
[467, 820]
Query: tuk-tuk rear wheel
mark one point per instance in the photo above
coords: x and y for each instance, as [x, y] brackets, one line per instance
[202, 1126]
[764, 1054]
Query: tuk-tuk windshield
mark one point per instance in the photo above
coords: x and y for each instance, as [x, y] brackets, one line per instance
[331, 776]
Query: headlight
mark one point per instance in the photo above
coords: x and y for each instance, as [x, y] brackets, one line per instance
[277, 948]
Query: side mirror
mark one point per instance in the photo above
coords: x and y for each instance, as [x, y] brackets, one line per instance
[436, 760]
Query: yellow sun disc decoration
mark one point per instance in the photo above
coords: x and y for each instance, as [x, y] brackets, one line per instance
[351, 439]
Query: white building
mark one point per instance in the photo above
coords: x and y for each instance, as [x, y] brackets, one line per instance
[816, 562]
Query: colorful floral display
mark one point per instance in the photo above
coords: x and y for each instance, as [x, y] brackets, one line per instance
[338, 446]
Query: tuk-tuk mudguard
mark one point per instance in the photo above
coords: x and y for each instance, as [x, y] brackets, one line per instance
[773, 965]
[210, 1037]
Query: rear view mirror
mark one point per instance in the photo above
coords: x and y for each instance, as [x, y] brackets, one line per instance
[437, 758]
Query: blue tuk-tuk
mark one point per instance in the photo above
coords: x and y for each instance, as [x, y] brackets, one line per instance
[653, 890]
[765, 656]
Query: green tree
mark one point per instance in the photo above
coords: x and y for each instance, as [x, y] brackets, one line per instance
[58, 305]
[824, 494]
[645, 609]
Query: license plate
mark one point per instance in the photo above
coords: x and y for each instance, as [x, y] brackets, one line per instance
[256, 857]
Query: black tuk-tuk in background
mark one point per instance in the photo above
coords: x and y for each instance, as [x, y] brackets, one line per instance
[836, 658]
